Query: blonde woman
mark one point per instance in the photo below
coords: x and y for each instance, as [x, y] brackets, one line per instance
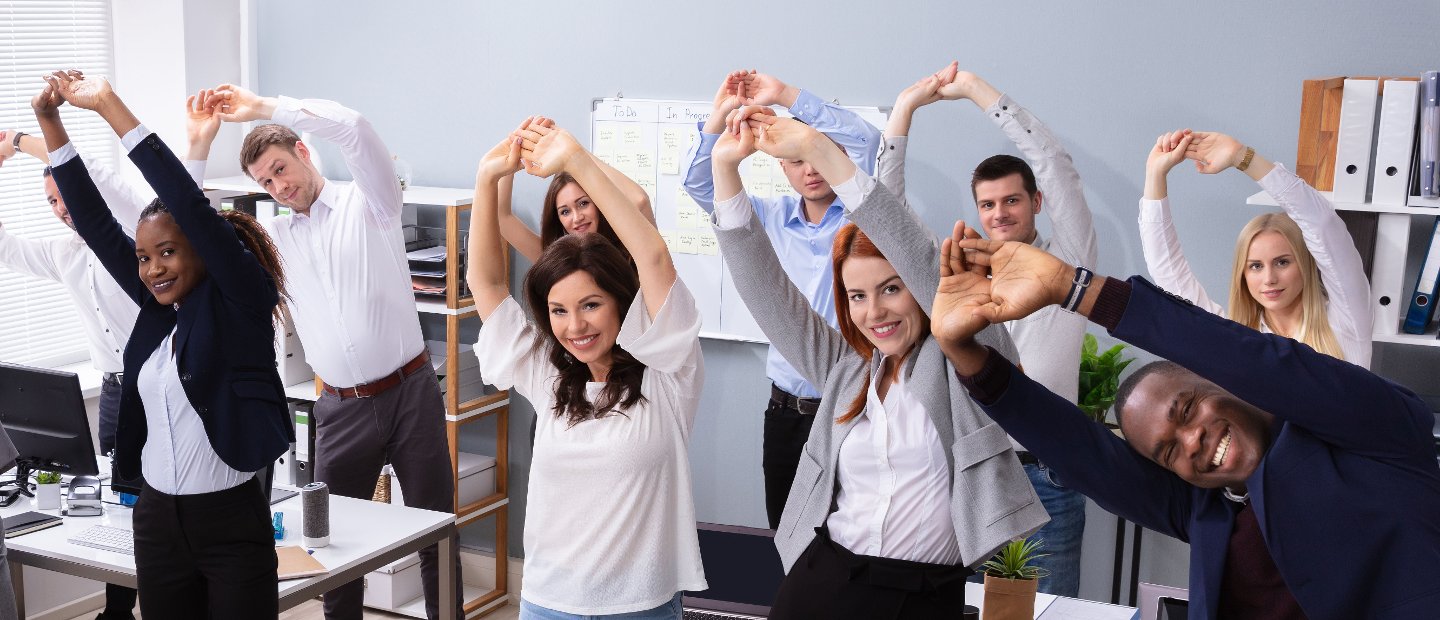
[1296, 274]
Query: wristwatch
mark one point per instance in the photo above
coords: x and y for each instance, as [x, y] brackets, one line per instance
[16, 140]
[1244, 163]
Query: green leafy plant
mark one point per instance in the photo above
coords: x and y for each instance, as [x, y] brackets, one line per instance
[1016, 560]
[1099, 377]
[47, 477]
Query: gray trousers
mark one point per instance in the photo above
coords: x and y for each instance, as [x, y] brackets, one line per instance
[404, 426]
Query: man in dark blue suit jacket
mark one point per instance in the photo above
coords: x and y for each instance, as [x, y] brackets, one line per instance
[1305, 485]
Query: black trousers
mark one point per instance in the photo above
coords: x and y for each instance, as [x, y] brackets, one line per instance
[786, 430]
[206, 556]
[830, 582]
[404, 426]
[119, 600]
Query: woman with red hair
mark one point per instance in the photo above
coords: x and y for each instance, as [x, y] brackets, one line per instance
[903, 483]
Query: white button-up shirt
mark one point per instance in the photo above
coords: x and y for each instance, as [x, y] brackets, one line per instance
[177, 458]
[106, 313]
[894, 499]
[348, 278]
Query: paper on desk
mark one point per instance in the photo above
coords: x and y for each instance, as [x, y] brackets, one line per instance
[427, 254]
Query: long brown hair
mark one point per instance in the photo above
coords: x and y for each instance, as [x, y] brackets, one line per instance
[256, 240]
[851, 242]
[550, 227]
[1314, 328]
[595, 255]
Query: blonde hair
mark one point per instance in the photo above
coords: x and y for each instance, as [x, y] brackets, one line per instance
[1314, 327]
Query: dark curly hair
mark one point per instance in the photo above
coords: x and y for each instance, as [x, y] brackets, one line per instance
[250, 233]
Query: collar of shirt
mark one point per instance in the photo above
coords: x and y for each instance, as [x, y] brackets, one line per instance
[796, 211]
[329, 195]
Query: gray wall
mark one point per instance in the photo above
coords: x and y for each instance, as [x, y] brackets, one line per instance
[443, 81]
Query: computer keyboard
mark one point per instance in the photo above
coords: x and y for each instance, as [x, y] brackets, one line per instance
[107, 538]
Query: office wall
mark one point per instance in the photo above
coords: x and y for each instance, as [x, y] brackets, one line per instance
[443, 81]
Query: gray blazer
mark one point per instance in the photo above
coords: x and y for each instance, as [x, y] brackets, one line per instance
[991, 499]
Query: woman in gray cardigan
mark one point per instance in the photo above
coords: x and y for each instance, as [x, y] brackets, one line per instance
[903, 483]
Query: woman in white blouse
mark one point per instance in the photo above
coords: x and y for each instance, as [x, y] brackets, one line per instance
[612, 365]
[1296, 274]
[903, 482]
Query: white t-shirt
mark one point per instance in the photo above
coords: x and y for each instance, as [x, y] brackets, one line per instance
[610, 517]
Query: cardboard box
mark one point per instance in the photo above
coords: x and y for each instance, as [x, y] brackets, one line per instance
[394, 584]
[477, 479]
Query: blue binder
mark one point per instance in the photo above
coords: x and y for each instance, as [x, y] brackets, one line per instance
[1427, 286]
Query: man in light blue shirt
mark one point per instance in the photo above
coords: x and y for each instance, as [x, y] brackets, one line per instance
[801, 222]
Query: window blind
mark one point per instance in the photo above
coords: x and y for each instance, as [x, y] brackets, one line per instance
[38, 323]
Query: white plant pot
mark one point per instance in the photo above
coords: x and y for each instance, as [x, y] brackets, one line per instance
[47, 496]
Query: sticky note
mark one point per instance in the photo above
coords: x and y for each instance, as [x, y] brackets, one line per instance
[645, 160]
[630, 137]
[669, 163]
[605, 137]
[647, 183]
[671, 243]
[760, 188]
[685, 216]
[782, 188]
[762, 163]
[683, 200]
[623, 159]
[689, 242]
[709, 244]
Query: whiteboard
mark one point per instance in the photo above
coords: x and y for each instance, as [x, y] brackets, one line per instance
[647, 140]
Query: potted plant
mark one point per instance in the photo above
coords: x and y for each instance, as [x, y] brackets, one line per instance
[1011, 578]
[1099, 377]
[47, 490]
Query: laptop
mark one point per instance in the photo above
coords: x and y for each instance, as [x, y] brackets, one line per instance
[743, 570]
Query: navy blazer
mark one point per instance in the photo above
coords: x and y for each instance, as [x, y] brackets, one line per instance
[1347, 497]
[225, 339]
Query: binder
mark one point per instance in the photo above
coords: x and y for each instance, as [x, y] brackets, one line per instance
[1387, 277]
[1427, 286]
[1395, 142]
[1354, 151]
[1430, 134]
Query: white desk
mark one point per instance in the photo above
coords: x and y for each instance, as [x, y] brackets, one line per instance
[1050, 607]
[364, 536]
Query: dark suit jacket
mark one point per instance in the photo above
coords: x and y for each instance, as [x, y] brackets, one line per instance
[225, 340]
[1348, 495]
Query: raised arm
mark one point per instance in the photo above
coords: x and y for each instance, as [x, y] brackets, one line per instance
[1164, 258]
[234, 269]
[515, 232]
[489, 283]
[859, 138]
[1063, 196]
[699, 183]
[88, 212]
[550, 150]
[890, 163]
[125, 199]
[364, 152]
[1341, 269]
[801, 335]
[1312, 390]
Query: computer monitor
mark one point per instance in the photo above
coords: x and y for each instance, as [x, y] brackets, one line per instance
[743, 569]
[44, 413]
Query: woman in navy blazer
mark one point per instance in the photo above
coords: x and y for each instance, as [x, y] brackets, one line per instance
[202, 408]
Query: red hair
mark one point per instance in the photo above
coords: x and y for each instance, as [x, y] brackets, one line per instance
[849, 241]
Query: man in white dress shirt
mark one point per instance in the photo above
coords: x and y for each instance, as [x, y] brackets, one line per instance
[354, 312]
[107, 314]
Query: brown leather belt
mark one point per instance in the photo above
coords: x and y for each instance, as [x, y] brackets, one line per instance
[378, 386]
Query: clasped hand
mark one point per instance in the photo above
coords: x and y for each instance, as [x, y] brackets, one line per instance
[984, 282]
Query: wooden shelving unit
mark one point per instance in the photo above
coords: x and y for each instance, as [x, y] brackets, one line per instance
[456, 308]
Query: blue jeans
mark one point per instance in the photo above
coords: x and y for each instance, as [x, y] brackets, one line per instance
[1062, 534]
[667, 611]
